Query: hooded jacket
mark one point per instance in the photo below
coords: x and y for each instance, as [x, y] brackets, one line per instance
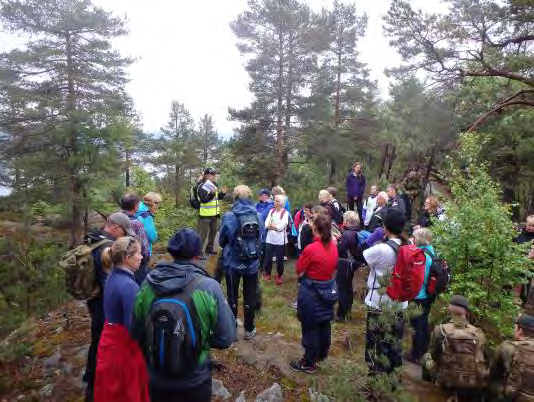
[228, 234]
[355, 184]
[216, 320]
[147, 219]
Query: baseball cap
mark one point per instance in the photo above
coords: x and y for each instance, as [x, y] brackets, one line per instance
[459, 301]
[121, 219]
[210, 171]
[264, 191]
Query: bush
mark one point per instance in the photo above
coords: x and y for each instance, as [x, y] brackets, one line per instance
[477, 241]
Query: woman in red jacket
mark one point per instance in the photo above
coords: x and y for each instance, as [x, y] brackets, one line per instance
[317, 295]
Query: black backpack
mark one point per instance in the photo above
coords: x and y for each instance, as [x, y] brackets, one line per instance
[174, 339]
[339, 212]
[248, 235]
[439, 277]
[194, 201]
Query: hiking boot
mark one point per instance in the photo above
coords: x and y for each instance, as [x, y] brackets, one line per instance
[266, 277]
[278, 280]
[250, 334]
[301, 365]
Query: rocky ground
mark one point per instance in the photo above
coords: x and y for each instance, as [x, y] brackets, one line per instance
[44, 359]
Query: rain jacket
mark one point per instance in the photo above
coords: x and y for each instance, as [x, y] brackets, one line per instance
[216, 320]
[228, 238]
[147, 219]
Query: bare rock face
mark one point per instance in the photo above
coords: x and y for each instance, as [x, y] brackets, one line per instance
[218, 390]
[272, 394]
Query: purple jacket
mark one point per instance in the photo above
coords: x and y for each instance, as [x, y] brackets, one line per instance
[355, 185]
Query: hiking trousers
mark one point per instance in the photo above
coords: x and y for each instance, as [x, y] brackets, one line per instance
[356, 205]
[316, 340]
[250, 286]
[274, 250]
[207, 228]
[383, 342]
[201, 393]
[96, 311]
[419, 323]
[344, 279]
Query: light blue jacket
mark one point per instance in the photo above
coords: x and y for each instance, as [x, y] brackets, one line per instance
[422, 294]
[146, 217]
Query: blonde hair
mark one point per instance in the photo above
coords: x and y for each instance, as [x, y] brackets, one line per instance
[325, 194]
[422, 237]
[151, 197]
[281, 198]
[351, 218]
[278, 190]
[384, 195]
[242, 191]
[122, 247]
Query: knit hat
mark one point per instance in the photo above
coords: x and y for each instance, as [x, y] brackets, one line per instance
[185, 244]
[459, 301]
[526, 322]
[265, 191]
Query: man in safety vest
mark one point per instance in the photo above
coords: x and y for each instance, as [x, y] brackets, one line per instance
[209, 211]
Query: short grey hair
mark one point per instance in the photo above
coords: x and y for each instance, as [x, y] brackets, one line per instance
[384, 195]
[422, 237]
[242, 191]
[282, 198]
[351, 218]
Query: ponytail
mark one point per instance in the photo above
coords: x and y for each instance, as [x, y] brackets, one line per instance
[107, 259]
[323, 227]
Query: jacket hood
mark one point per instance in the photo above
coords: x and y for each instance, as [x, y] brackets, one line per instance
[142, 208]
[244, 207]
[169, 278]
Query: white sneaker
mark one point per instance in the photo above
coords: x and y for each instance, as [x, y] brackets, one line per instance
[250, 335]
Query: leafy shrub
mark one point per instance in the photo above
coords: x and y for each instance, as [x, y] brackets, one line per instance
[476, 239]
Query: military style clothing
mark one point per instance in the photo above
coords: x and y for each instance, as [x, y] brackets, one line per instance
[512, 371]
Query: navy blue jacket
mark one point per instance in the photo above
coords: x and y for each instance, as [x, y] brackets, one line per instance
[228, 238]
[315, 301]
[263, 209]
[119, 297]
[355, 185]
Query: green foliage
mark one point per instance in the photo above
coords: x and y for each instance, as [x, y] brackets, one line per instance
[476, 239]
[31, 282]
[169, 219]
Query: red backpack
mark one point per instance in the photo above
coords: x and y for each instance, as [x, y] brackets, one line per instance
[408, 273]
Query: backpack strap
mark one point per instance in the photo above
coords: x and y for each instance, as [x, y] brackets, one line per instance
[394, 245]
[99, 243]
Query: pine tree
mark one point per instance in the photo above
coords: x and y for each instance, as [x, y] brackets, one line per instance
[61, 88]
[208, 139]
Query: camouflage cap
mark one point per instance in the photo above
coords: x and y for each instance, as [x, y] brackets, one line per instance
[459, 301]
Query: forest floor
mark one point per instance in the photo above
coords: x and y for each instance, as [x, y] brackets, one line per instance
[44, 359]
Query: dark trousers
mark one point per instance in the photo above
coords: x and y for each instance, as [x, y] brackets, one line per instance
[358, 204]
[419, 323]
[344, 278]
[383, 341]
[207, 229]
[250, 284]
[96, 311]
[201, 393]
[274, 250]
[219, 269]
[316, 340]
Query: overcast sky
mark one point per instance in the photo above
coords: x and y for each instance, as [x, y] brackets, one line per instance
[186, 51]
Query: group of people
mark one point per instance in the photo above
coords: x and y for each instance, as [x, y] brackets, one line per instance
[153, 331]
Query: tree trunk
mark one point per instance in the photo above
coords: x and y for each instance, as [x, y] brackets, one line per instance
[76, 185]
[280, 143]
[382, 171]
[127, 169]
[391, 159]
[177, 186]
[332, 174]
[426, 179]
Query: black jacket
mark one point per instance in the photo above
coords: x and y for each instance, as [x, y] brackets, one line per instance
[205, 196]
[377, 220]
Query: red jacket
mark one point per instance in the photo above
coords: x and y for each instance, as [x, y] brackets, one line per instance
[317, 261]
[121, 374]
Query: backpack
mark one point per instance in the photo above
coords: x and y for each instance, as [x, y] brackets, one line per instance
[173, 334]
[439, 276]
[521, 378]
[408, 275]
[248, 235]
[194, 201]
[340, 210]
[462, 364]
[78, 264]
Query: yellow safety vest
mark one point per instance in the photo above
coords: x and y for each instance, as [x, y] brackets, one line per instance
[211, 208]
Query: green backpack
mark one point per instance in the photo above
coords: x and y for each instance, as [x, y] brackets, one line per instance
[78, 264]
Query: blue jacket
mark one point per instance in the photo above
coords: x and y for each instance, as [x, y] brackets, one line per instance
[262, 206]
[355, 185]
[228, 238]
[315, 301]
[422, 294]
[147, 219]
[264, 212]
[119, 297]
